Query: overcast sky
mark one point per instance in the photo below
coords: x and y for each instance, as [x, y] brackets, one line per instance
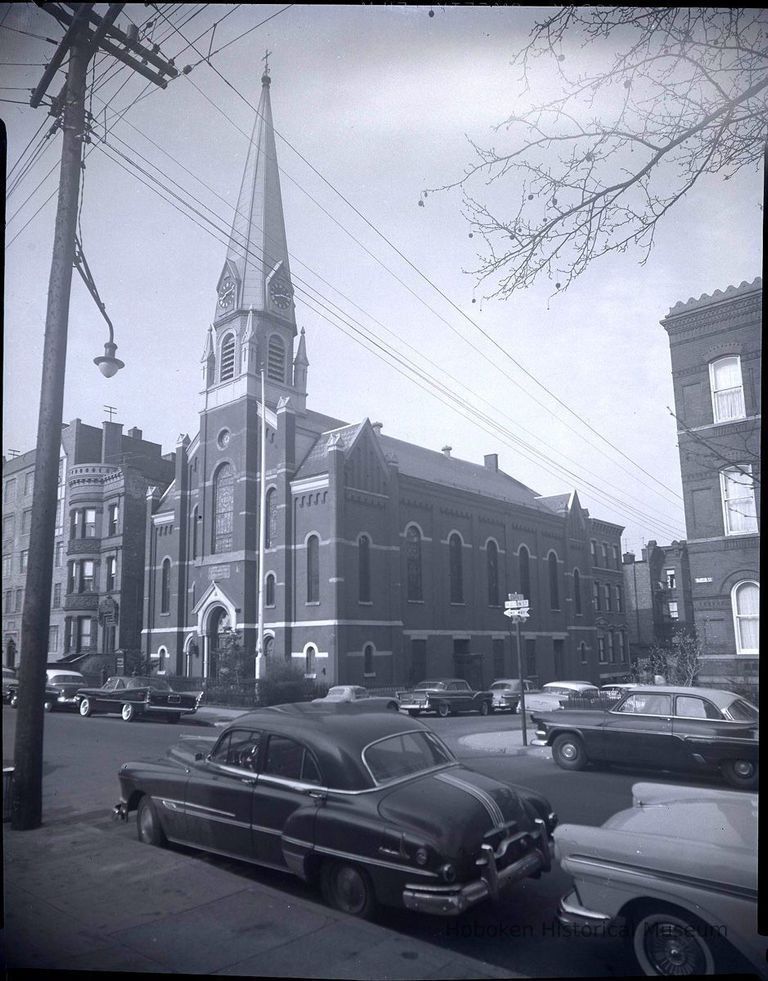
[381, 102]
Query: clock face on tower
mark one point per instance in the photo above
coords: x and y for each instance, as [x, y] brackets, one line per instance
[227, 294]
[280, 292]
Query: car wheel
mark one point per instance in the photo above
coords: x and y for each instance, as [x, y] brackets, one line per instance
[741, 774]
[485, 708]
[128, 712]
[147, 824]
[48, 705]
[348, 888]
[85, 707]
[568, 752]
[443, 711]
[671, 942]
[393, 706]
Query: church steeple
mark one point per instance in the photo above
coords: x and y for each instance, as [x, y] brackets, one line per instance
[257, 272]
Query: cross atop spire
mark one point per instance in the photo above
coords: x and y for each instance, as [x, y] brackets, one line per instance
[265, 79]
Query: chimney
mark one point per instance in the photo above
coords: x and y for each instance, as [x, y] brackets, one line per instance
[491, 461]
[628, 558]
[377, 427]
[447, 450]
[134, 433]
[111, 440]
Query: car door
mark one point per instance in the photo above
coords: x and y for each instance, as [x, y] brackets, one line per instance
[289, 779]
[219, 798]
[694, 725]
[638, 730]
[461, 696]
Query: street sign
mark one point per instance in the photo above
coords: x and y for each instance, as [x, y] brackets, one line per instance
[518, 614]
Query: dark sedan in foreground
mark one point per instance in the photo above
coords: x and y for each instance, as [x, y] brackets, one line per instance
[667, 728]
[372, 806]
[137, 697]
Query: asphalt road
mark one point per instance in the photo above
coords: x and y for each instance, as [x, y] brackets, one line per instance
[82, 758]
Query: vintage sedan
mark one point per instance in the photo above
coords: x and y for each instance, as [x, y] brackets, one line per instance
[356, 693]
[446, 696]
[555, 695]
[667, 728]
[61, 688]
[506, 693]
[137, 697]
[676, 874]
[372, 806]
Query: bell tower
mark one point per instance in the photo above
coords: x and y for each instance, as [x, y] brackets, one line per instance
[254, 323]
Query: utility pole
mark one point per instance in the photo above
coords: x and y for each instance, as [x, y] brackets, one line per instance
[85, 34]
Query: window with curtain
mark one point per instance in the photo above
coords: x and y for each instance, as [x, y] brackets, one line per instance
[313, 569]
[276, 358]
[738, 494]
[223, 508]
[364, 569]
[745, 600]
[554, 586]
[492, 562]
[727, 389]
[413, 563]
[577, 592]
[165, 587]
[524, 571]
[456, 568]
[227, 359]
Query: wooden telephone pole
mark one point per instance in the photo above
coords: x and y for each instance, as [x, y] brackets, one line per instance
[85, 34]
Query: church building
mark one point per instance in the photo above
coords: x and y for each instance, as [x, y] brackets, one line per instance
[384, 562]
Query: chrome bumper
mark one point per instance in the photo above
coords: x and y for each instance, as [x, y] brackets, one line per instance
[571, 914]
[538, 742]
[453, 900]
[120, 811]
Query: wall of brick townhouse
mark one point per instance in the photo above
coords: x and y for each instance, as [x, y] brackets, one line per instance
[718, 405]
[658, 595]
[364, 634]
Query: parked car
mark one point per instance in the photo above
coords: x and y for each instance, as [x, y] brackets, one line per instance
[615, 691]
[61, 688]
[356, 693]
[506, 693]
[372, 806]
[9, 683]
[555, 694]
[136, 697]
[446, 696]
[670, 728]
[678, 871]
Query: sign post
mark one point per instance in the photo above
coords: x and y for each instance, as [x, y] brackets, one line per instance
[516, 608]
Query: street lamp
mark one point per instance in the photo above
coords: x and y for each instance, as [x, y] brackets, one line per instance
[108, 364]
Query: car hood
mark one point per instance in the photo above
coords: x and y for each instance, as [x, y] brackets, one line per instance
[463, 806]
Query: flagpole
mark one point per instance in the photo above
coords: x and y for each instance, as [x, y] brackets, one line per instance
[262, 530]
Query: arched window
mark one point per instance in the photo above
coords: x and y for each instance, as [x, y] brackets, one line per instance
[745, 601]
[364, 569]
[554, 585]
[309, 661]
[227, 358]
[727, 389]
[583, 652]
[413, 563]
[738, 495]
[492, 561]
[269, 590]
[162, 654]
[524, 571]
[269, 645]
[193, 544]
[276, 358]
[456, 568]
[270, 523]
[313, 569]
[165, 587]
[223, 508]
[368, 659]
[577, 592]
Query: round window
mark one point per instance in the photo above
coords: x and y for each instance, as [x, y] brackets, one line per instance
[223, 438]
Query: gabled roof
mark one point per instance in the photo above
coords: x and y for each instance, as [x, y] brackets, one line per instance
[557, 502]
[316, 461]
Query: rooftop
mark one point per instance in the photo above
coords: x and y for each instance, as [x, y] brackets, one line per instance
[732, 292]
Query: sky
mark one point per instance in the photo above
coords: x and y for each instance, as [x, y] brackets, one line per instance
[376, 103]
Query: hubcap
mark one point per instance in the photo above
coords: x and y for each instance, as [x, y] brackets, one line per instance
[350, 890]
[673, 950]
[569, 751]
[743, 768]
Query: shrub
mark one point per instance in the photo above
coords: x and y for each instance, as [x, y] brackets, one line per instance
[285, 683]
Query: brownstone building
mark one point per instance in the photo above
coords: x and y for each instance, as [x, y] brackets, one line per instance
[716, 346]
[657, 587]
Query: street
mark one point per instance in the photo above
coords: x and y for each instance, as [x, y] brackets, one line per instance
[519, 934]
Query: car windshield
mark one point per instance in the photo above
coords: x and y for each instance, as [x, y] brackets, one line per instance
[430, 684]
[147, 683]
[499, 685]
[66, 679]
[404, 755]
[741, 711]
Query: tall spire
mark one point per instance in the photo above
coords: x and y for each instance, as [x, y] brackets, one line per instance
[257, 255]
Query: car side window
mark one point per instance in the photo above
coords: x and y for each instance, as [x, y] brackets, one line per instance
[238, 748]
[288, 759]
[119, 684]
[690, 707]
[647, 704]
